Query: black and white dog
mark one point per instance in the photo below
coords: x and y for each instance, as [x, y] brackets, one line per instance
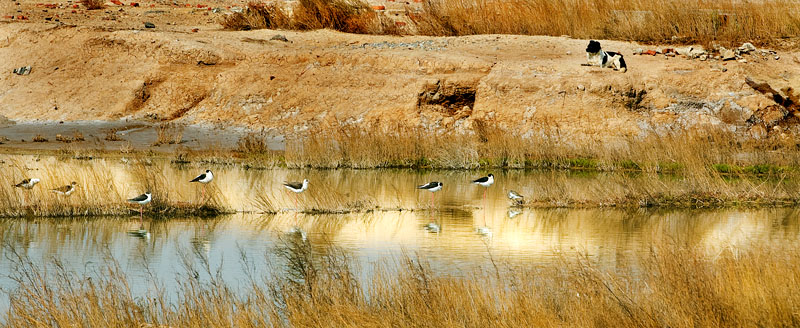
[595, 56]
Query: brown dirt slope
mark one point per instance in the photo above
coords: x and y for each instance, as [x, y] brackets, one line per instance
[325, 78]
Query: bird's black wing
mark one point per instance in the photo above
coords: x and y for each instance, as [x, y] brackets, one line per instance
[138, 198]
[24, 182]
[294, 185]
[199, 177]
[481, 180]
[429, 185]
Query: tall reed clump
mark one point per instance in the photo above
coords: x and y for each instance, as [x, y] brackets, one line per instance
[318, 285]
[351, 16]
[255, 149]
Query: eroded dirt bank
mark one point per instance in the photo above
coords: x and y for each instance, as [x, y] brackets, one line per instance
[325, 79]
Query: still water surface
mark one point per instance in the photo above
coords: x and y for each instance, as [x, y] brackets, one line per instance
[609, 236]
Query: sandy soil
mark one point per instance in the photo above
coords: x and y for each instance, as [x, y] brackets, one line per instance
[104, 65]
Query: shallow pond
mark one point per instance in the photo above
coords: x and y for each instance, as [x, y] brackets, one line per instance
[395, 225]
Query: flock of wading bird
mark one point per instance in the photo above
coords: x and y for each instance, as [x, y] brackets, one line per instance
[296, 187]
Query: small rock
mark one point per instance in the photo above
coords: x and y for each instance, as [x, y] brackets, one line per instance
[703, 57]
[581, 87]
[279, 37]
[696, 52]
[743, 61]
[777, 57]
[638, 51]
[569, 53]
[746, 48]
[149, 25]
[727, 54]
[237, 9]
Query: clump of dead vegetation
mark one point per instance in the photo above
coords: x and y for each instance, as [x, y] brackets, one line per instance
[39, 138]
[670, 286]
[169, 134]
[350, 16]
[111, 135]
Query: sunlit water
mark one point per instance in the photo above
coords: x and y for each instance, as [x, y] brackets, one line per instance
[522, 236]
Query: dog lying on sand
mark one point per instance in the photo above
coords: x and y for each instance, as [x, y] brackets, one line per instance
[595, 56]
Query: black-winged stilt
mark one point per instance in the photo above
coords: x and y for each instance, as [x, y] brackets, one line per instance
[204, 178]
[27, 183]
[432, 187]
[486, 182]
[296, 187]
[516, 197]
[142, 200]
[66, 190]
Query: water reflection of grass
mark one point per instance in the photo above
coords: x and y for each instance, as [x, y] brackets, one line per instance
[99, 191]
[674, 285]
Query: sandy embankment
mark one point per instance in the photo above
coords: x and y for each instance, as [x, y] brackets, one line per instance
[324, 78]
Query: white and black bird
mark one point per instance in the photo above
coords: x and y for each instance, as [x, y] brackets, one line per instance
[27, 183]
[142, 200]
[204, 178]
[485, 182]
[516, 197]
[66, 190]
[296, 188]
[432, 187]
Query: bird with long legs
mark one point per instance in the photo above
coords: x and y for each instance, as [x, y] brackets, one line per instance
[485, 182]
[296, 188]
[204, 178]
[433, 187]
[28, 185]
[142, 200]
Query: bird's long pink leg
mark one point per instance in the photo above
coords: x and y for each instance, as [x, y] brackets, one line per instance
[141, 216]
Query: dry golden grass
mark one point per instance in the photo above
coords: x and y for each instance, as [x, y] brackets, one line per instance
[490, 146]
[98, 191]
[257, 16]
[728, 22]
[350, 16]
[671, 286]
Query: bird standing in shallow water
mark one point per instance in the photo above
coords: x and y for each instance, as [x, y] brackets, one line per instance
[486, 182]
[296, 187]
[66, 190]
[516, 197]
[142, 200]
[432, 187]
[204, 178]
